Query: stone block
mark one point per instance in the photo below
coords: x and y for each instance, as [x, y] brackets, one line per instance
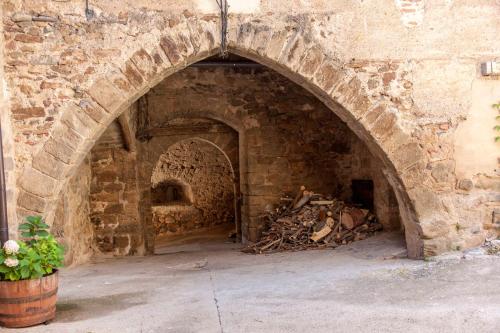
[245, 35]
[465, 184]
[59, 150]
[407, 155]
[169, 46]
[31, 202]
[94, 111]
[67, 136]
[436, 246]
[106, 95]
[49, 165]
[295, 52]
[133, 75]
[435, 228]
[427, 203]
[443, 171]
[261, 38]
[328, 76]
[37, 183]
[384, 125]
[311, 61]
[144, 63]
[79, 121]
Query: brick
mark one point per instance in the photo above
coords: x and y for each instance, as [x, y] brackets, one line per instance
[27, 113]
[26, 38]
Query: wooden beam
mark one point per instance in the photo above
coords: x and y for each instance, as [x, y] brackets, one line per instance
[129, 139]
[174, 130]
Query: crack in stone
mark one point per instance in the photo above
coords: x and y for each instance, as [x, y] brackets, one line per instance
[216, 301]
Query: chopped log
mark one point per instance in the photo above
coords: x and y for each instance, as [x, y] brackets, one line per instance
[322, 202]
[298, 196]
[305, 199]
[316, 236]
[347, 220]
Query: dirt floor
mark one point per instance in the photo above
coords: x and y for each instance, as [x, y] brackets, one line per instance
[209, 286]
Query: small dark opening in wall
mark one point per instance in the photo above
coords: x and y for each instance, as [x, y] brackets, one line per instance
[168, 193]
[362, 193]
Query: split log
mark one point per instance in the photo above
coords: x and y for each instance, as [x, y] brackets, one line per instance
[316, 236]
[322, 202]
[298, 196]
[306, 196]
[353, 217]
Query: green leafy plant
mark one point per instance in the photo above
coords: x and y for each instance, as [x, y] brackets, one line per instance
[33, 258]
[497, 127]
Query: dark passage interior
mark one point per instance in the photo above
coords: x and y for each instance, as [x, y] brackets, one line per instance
[215, 146]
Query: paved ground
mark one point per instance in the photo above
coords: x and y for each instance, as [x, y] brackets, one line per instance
[211, 287]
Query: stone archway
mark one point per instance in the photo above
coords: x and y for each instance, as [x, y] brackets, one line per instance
[203, 167]
[150, 163]
[292, 52]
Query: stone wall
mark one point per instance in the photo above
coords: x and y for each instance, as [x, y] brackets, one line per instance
[114, 196]
[406, 74]
[209, 178]
[72, 224]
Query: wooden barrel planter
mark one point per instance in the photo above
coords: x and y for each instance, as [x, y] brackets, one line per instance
[28, 302]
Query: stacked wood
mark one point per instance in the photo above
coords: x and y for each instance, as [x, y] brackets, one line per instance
[310, 221]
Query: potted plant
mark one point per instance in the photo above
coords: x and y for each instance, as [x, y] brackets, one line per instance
[28, 276]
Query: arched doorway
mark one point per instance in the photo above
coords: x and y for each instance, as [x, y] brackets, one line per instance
[193, 192]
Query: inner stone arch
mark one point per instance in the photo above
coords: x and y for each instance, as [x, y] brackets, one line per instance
[203, 179]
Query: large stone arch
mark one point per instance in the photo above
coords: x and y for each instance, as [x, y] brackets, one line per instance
[292, 51]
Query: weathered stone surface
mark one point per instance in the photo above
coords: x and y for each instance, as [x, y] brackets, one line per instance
[31, 202]
[35, 182]
[104, 93]
[465, 184]
[49, 165]
[442, 172]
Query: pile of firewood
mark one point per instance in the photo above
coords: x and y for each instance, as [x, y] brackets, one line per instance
[311, 221]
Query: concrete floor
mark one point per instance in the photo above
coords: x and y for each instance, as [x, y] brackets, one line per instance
[209, 286]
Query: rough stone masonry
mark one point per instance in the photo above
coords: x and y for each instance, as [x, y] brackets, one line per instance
[402, 75]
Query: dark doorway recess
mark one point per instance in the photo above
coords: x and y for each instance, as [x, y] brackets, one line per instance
[362, 193]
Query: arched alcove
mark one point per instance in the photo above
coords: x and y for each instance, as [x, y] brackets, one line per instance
[171, 192]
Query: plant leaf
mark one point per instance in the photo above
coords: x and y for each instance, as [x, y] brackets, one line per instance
[42, 233]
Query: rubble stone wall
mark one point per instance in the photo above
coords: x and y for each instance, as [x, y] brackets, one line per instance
[406, 75]
[114, 196]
